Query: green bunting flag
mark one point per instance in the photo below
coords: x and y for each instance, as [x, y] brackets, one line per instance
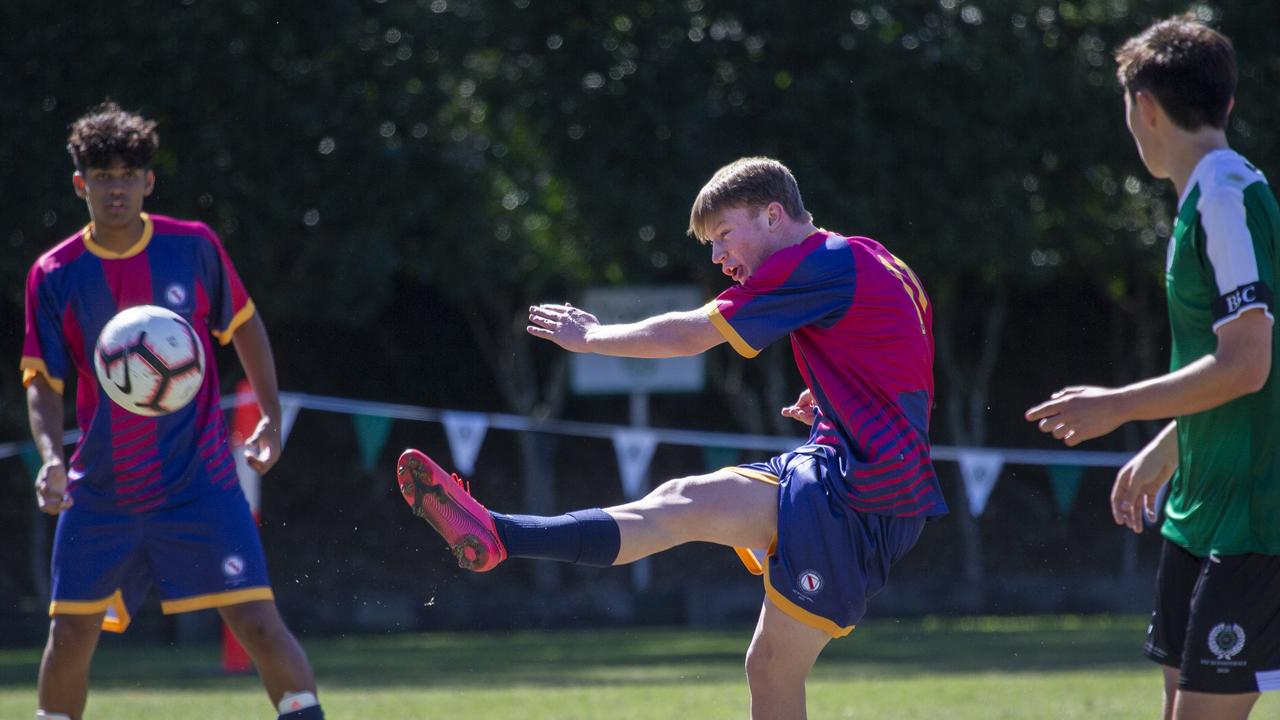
[371, 434]
[31, 459]
[717, 458]
[1065, 480]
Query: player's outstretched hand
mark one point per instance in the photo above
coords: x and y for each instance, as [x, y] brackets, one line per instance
[262, 449]
[564, 325]
[51, 488]
[1138, 483]
[1078, 413]
[803, 410]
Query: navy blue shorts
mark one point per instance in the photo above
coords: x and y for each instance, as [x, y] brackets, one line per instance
[203, 554]
[827, 559]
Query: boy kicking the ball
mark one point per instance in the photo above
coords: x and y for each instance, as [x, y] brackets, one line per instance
[146, 501]
[833, 515]
[1216, 625]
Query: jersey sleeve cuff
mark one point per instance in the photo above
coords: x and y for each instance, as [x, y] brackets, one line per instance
[1217, 324]
[1246, 297]
[242, 317]
[742, 347]
[32, 366]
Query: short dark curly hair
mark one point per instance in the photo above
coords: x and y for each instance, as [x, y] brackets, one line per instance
[1188, 66]
[108, 132]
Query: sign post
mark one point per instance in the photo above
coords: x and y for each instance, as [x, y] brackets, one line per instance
[636, 378]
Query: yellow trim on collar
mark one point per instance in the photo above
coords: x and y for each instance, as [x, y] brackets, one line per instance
[726, 330]
[148, 228]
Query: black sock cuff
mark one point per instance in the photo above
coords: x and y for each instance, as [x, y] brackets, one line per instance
[601, 537]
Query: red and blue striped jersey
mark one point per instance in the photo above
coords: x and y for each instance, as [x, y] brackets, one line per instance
[861, 330]
[126, 462]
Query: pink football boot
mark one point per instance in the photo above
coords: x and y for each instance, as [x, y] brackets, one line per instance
[445, 502]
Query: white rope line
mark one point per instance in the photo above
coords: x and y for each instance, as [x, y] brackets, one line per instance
[669, 436]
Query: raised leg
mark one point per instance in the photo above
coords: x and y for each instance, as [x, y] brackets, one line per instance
[722, 507]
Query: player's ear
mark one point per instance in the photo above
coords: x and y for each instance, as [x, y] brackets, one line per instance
[77, 182]
[151, 182]
[1148, 109]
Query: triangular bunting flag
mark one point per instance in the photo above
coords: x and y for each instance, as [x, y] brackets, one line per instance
[250, 481]
[31, 459]
[717, 458]
[371, 435]
[634, 449]
[289, 409]
[1065, 480]
[980, 470]
[466, 431]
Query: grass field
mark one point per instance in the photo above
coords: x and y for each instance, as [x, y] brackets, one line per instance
[979, 668]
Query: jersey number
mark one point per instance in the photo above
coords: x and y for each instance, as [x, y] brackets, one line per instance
[910, 283]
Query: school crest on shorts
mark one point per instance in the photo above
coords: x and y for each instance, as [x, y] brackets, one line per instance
[1226, 640]
[809, 582]
[233, 567]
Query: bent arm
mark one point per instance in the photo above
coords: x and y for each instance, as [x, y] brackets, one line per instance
[253, 347]
[1239, 366]
[673, 334]
[45, 415]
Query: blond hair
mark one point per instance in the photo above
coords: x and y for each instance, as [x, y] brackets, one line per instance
[751, 182]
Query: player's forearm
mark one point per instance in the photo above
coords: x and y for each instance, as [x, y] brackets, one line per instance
[1165, 444]
[674, 334]
[45, 415]
[1202, 385]
[254, 350]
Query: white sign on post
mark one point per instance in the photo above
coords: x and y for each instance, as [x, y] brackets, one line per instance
[599, 374]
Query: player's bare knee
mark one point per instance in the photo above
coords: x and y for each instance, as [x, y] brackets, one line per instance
[73, 633]
[761, 665]
[256, 624]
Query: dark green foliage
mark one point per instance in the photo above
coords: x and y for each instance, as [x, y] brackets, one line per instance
[396, 180]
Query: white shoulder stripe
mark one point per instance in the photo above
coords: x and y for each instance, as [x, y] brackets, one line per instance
[1228, 242]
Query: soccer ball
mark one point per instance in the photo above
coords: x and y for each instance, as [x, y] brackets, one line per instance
[149, 360]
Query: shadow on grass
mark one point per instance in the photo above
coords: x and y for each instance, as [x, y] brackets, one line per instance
[884, 648]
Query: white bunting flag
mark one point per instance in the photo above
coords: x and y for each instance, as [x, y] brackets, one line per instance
[290, 410]
[635, 450]
[980, 470]
[250, 480]
[466, 431]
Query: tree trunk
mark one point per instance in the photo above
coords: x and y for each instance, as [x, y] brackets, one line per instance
[968, 390]
[508, 351]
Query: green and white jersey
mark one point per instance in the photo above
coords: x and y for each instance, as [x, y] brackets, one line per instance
[1225, 497]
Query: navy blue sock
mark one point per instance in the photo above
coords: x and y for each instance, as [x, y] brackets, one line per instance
[312, 713]
[584, 537]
